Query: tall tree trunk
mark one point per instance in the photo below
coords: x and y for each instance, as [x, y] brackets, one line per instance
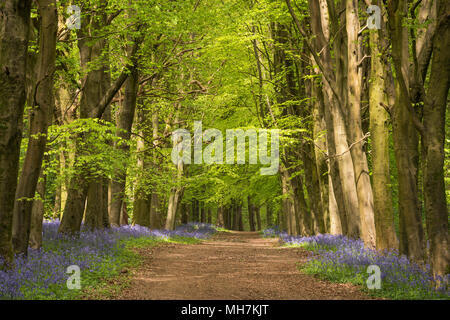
[379, 128]
[335, 218]
[14, 29]
[94, 205]
[258, 217]
[290, 205]
[40, 118]
[405, 138]
[124, 124]
[235, 218]
[251, 214]
[155, 212]
[338, 213]
[176, 194]
[335, 97]
[225, 217]
[105, 181]
[142, 198]
[313, 188]
[141, 210]
[124, 215]
[220, 222]
[269, 215]
[209, 216]
[195, 211]
[184, 214]
[66, 114]
[202, 212]
[106, 201]
[434, 115]
[239, 217]
[155, 215]
[320, 150]
[359, 159]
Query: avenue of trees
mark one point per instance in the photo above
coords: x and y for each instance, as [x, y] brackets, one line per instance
[86, 117]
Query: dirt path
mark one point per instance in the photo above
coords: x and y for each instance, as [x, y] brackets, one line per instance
[236, 265]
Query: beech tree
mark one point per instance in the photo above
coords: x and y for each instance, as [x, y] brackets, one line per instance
[14, 30]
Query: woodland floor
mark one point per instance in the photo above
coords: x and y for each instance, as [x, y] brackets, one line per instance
[230, 266]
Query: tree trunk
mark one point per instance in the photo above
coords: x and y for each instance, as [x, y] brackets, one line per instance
[258, 218]
[335, 86]
[124, 215]
[202, 212]
[124, 124]
[313, 188]
[184, 214]
[338, 214]
[37, 214]
[269, 215]
[209, 215]
[234, 216]
[155, 212]
[195, 211]
[335, 219]
[251, 214]
[106, 201]
[66, 114]
[405, 139]
[94, 205]
[40, 119]
[220, 222]
[155, 215]
[141, 210]
[290, 206]
[379, 129]
[239, 217]
[434, 115]
[320, 150]
[174, 199]
[142, 198]
[225, 217]
[14, 29]
[359, 159]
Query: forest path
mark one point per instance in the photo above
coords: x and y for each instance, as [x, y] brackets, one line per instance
[230, 266]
